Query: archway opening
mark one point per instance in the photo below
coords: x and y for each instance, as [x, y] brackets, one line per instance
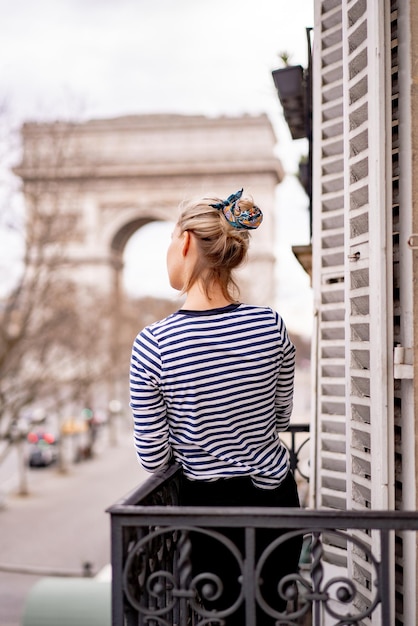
[145, 274]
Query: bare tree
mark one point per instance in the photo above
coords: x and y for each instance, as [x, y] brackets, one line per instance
[62, 345]
[53, 346]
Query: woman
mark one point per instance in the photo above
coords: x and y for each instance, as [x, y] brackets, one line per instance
[212, 385]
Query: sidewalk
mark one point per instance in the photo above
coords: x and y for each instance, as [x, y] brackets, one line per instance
[62, 524]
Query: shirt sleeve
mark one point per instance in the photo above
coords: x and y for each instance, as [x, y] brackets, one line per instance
[151, 434]
[285, 380]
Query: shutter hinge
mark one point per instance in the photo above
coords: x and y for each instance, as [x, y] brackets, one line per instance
[403, 362]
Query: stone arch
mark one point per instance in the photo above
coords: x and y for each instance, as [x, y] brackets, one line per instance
[129, 228]
[114, 176]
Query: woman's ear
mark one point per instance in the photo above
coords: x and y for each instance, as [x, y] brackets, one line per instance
[186, 243]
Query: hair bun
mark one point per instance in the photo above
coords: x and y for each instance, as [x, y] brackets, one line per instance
[241, 214]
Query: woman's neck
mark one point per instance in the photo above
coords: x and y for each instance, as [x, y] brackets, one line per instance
[197, 300]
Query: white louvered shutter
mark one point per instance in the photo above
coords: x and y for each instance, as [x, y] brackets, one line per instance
[352, 239]
[368, 272]
[403, 331]
[328, 256]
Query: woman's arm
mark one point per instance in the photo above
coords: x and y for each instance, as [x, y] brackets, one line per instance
[151, 433]
[285, 382]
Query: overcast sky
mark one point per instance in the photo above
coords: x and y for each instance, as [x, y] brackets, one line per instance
[104, 58]
[107, 57]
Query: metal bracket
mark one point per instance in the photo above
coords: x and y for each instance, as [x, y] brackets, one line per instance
[403, 362]
[410, 242]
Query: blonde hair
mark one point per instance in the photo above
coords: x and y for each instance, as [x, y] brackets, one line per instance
[222, 248]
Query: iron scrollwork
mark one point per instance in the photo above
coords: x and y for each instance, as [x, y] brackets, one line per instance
[160, 584]
[332, 594]
[158, 581]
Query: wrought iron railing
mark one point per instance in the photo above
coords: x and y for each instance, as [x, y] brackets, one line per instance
[299, 438]
[154, 582]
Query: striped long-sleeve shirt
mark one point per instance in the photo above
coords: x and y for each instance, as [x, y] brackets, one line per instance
[213, 389]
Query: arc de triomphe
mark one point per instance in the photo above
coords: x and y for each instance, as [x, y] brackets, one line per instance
[113, 176]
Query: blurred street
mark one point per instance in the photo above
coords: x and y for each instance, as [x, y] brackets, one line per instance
[62, 523]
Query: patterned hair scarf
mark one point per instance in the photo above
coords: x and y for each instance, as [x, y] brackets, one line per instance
[242, 219]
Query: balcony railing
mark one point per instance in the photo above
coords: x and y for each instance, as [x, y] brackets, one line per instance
[154, 582]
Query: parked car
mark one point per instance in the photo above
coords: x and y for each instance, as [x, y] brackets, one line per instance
[42, 449]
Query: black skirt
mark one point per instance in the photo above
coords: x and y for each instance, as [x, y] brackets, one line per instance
[211, 556]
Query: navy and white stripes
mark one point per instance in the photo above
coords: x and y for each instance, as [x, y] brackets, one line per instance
[213, 389]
